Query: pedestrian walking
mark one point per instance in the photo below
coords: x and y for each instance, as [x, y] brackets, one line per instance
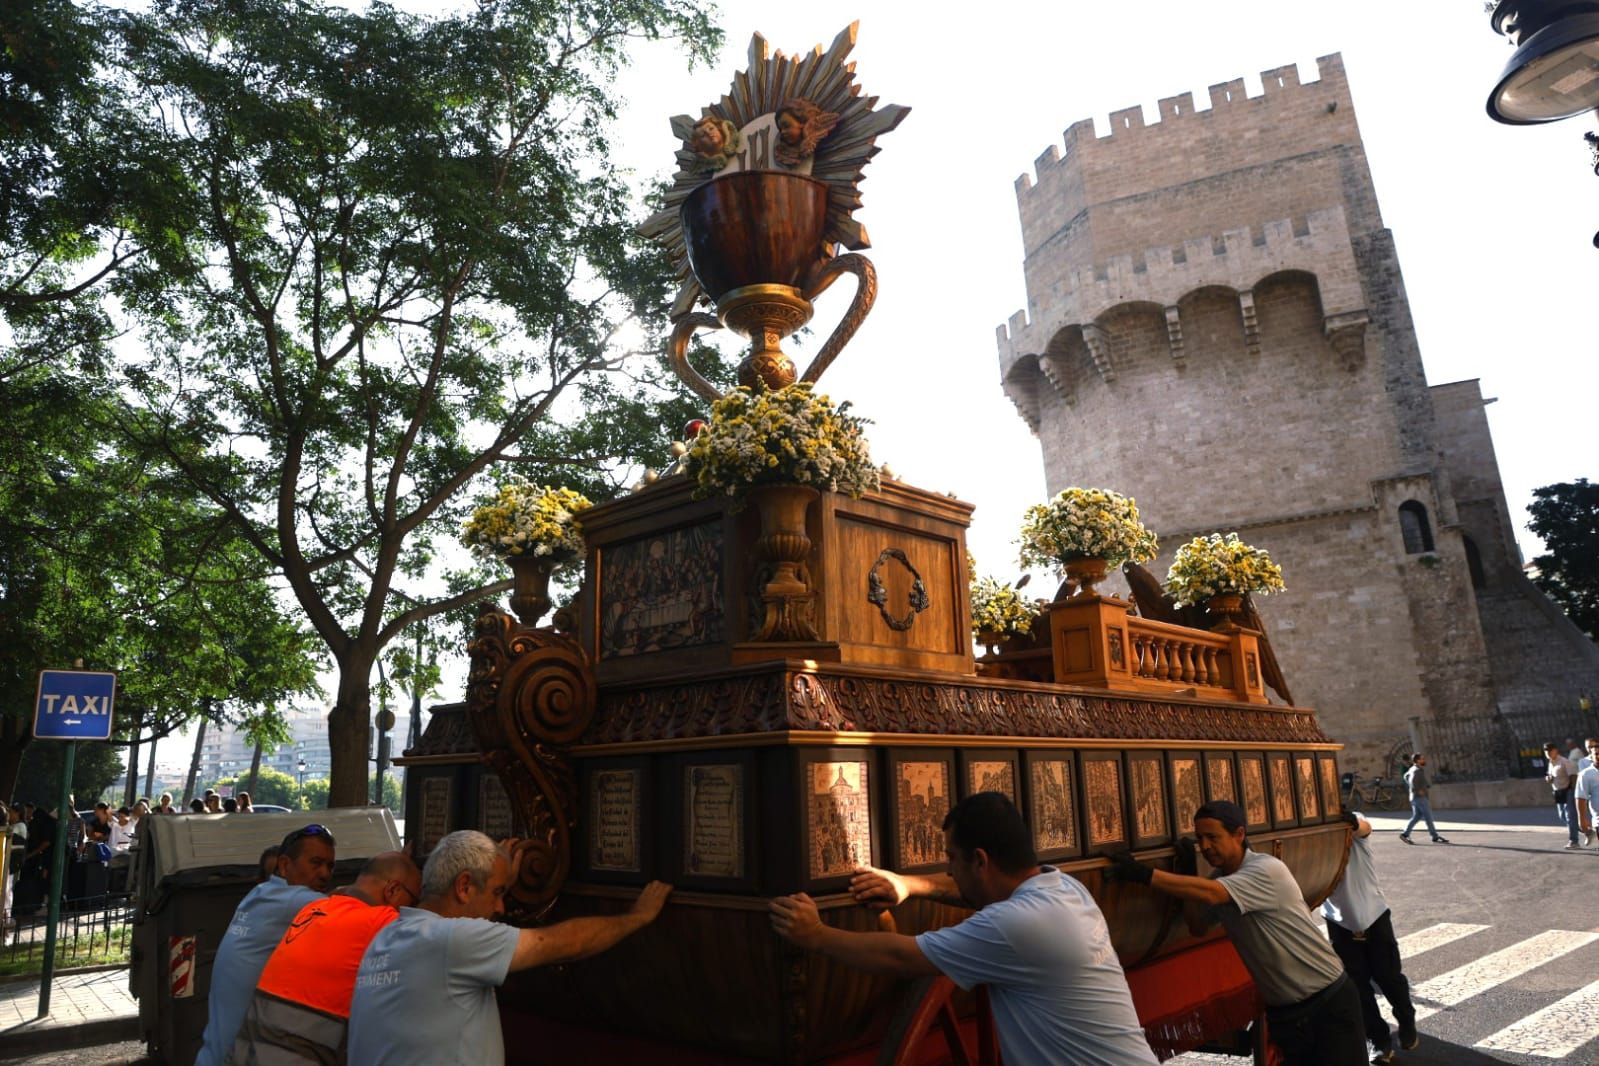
[1586, 789]
[1362, 933]
[1561, 773]
[1420, 807]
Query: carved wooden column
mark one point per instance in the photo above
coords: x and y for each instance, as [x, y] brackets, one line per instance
[530, 694]
[1244, 650]
[1088, 638]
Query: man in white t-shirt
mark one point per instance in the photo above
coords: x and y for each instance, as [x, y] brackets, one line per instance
[1038, 941]
[1312, 1009]
[1561, 773]
[1362, 933]
[424, 994]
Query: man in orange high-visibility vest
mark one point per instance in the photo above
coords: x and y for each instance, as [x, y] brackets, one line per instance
[301, 1007]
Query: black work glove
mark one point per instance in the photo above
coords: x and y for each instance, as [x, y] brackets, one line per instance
[1123, 867]
[1352, 818]
[1186, 861]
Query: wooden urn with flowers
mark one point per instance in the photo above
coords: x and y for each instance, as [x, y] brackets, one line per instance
[767, 678]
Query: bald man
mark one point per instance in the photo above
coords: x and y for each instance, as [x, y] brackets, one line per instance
[301, 1007]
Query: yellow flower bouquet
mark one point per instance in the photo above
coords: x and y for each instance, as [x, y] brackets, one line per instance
[1221, 566]
[1000, 610]
[787, 436]
[523, 519]
[1085, 524]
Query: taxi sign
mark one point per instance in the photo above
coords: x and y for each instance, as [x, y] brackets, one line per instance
[74, 705]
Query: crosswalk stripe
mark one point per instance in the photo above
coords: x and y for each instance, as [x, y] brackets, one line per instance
[1434, 936]
[1554, 1032]
[1490, 971]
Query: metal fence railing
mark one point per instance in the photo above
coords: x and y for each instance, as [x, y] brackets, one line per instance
[91, 932]
[1504, 745]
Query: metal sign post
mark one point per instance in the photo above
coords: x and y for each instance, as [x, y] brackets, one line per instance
[73, 705]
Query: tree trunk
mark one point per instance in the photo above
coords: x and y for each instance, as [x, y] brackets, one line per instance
[130, 791]
[149, 771]
[194, 764]
[16, 732]
[348, 724]
[255, 769]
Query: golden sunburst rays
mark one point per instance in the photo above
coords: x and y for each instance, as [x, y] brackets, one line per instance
[773, 79]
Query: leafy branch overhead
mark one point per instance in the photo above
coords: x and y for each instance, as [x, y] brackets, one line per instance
[389, 257]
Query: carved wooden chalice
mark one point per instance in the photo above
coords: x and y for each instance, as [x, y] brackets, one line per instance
[755, 242]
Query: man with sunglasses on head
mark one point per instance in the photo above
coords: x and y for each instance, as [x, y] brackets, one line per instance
[424, 995]
[301, 1005]
[304, 874]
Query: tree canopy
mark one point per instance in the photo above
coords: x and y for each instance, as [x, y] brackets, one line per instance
[346, 269]
[1566, 516]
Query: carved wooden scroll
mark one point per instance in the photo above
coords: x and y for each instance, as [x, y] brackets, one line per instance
[530, 694]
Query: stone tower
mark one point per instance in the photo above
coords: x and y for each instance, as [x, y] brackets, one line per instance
[1216, 325]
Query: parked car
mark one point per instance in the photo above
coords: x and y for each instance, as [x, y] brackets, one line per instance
[268, 808]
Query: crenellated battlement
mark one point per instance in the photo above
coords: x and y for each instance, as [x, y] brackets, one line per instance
[1232, 113]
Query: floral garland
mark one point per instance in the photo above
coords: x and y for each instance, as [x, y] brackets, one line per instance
[1220, 566]
[527, 519]
[1085, 524]
[1000, 609]
[787, 436]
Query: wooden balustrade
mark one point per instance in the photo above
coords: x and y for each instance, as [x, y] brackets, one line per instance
[1094, 641]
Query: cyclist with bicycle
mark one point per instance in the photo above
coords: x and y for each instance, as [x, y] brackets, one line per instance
[1420, 809]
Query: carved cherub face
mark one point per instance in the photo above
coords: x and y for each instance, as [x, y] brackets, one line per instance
[709, 138]
[790, 127]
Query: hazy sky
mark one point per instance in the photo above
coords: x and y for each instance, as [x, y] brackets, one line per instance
[1493, 224]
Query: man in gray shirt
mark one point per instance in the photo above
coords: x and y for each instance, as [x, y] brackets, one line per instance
[1312, 1009]
[1420, 807]
[424, 995]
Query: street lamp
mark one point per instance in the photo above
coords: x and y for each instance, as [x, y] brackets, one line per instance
[302, 781]
[1554, 73]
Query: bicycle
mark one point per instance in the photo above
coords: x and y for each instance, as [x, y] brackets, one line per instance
[1377, 793]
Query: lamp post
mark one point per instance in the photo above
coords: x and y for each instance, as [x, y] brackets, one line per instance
[1554, 72]
[301, 768]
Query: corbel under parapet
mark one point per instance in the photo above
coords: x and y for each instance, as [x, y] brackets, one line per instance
[1174, 337]
[1055, 374]
[1346, 332]
[1099, 347]
[1246, 305]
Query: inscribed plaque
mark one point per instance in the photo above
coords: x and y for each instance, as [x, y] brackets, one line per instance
[1329, 786]
[614, 797]
[985, 776]
[1188, 791]
[840, 817]
[1220, 769]
[1282, 789]
[1305, 776]
[494, 807]
[662, 592]
[921, 791]
[435, 811]
[713, 800]
[1149, 797]
[1054, 809]
[1253, 778]
[1102, 782]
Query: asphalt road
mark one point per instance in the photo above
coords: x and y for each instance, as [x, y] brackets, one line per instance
[1514, 920]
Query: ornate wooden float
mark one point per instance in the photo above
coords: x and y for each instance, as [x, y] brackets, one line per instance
[753, 702]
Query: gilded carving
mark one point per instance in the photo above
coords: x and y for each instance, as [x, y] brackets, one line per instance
[1253, 779]
[1149, 797]
[714, 141]
[1118, 656]
[1219, 768]
[991, 776]
[1305, 777]
[1329, 786]
[1282, 789]
[1102, 786]
[922, 794]
[1188, 791]
[801, 125]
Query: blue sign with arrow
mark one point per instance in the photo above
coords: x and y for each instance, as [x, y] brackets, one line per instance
[74, 705]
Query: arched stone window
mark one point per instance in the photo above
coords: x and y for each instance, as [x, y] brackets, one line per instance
[1479, 577]
[1415, 527]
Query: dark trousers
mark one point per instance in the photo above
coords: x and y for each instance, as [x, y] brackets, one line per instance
[1324, 1030]
[1374, 957]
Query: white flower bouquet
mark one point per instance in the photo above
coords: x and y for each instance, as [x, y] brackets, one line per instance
[523, 519]
[1221, 566]
[1085, 524]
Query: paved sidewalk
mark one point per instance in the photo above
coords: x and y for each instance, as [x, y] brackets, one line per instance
[85, 1009]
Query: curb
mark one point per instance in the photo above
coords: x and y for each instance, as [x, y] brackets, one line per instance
[23, 1041]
